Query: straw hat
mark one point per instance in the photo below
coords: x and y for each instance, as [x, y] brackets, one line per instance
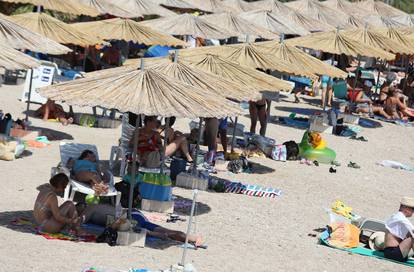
[377, 241]
[407, 201]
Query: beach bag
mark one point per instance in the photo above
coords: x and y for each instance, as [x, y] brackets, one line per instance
[155, 186]
[238, 166]
[6, 124]
[123, 187]
[109, 236]
[85, 120]
[279, 153]
[292, 150]
[177, 166]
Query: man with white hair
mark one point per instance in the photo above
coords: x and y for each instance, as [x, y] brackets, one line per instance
[399, 238]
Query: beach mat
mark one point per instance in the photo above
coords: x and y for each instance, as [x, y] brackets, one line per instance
[362, 251]
[399, 122]
[251, 190]
[29, 226]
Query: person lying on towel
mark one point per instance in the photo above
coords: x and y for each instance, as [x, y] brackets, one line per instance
[97, 214]
[399, 238]
[49, 216]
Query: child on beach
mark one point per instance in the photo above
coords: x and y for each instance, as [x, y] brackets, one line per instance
[48, 215]
[399, 238]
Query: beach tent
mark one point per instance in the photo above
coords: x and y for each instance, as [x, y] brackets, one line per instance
[13, 59]
[188, 25]
[297, 57]
[54, 29]
[108, 7]
[18, 37]
[179, 5]
[140, 8]
[234, 71]
[239, 27]
[335, 42]
[380, 8]
[320, 12]
[406, 20]
[274, 23]
[382, 21]
[211, 6]
[238, 5]
[72, 7]
[379, 39]
[127, 30]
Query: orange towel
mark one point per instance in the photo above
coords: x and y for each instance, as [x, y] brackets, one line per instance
[344, 235]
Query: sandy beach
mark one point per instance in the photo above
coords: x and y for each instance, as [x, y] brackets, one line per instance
[243, 233]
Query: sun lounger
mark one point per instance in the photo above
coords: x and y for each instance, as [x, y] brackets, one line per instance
[73, 150]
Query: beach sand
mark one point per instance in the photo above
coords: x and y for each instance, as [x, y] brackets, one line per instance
[243, 233]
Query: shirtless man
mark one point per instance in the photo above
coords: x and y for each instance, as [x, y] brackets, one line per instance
[399, 238]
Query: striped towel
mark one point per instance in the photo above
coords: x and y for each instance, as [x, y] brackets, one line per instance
[251, 190]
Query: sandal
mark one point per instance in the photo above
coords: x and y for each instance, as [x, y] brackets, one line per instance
[353, 165]
[332, 170]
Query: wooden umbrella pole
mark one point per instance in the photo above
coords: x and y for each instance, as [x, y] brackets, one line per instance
[163, 153]
[29, 95]
[197, 146]
[134, 167]
[233, 139]
[406, 73]
[378, 77]
[356, 78]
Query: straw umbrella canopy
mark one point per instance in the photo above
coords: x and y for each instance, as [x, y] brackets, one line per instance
[344, 6]
[54, 29]
[379, 8]
[398, 36]
[140, 8]
[238, 5]
[108, 7]
[19, 37]
[353, 22]
[243, 74]
[211, 6]
[377, 39]
[274, 23]
[297, 57]
[13, 59]
[382, 21]
[73, 7]
[145, 92]
[238, 26]
[127, 30]
[406, 20]
[335, 42]
[317, 11]
[188, 24]
[176, 5]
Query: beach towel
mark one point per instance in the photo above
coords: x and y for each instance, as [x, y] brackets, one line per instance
[324, 239]
[29, 226]
[344, 235]
[251, 190]
[396, 165]
[399, 122]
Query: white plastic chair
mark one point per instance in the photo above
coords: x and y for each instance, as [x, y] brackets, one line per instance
[74, 150]
[121, 151]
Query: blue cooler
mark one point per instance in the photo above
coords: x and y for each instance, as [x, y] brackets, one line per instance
[156, 187]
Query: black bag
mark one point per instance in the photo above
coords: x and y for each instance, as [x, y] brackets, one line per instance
[109, 236]
[238, 166]
[292, 150]
[123, 187]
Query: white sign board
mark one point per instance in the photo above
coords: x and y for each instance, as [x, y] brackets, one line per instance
[42, 76]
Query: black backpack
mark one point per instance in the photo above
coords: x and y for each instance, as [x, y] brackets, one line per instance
[123, 187]
[292, 150]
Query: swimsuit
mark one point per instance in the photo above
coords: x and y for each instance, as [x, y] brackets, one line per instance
[42, 207]
[143, 221]
[85, 166]
[394, 253]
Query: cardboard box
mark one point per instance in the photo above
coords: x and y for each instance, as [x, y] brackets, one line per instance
[130, 238]
[157, 206]
[25, 134]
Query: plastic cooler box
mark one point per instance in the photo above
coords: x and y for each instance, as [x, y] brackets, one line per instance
[156, 187]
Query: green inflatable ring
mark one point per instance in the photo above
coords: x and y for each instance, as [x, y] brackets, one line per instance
[307, 151]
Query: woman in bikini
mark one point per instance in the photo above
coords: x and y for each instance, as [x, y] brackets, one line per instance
[258, 111]
[150, 144]
[86, 170]
[48, 215]
[394, 107]
[51, 110]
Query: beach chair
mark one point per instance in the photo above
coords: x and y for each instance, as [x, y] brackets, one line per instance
[74, 150]
[369, 226]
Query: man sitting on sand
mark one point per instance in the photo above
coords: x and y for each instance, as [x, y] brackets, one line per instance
[399, 238]
[51, 110]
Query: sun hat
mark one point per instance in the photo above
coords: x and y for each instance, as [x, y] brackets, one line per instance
[377, 241]
[407, 201]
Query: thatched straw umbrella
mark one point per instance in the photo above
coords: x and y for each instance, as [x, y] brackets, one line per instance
[239, 27]
[73, 7]
[179, 5]
[145, 92]
[188, 25]
[274, 23]
[13, 59]
[238, 5]
[406, 20]
[345, 6]
[211, 6]
[140, 8]
[382, 21]
[108, 7]
[379, 8]
[54, 29]
[291, 54]
[398, 36]
[127, 30]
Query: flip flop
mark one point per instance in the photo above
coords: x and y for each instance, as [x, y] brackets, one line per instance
[332, 170]
[353, 165]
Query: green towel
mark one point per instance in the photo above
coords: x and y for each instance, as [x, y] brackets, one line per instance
[363, 251]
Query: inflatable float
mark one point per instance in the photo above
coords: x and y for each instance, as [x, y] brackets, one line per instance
[314, 148]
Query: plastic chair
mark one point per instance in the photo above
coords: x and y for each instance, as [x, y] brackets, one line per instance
[122, 151]
[74, 150]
